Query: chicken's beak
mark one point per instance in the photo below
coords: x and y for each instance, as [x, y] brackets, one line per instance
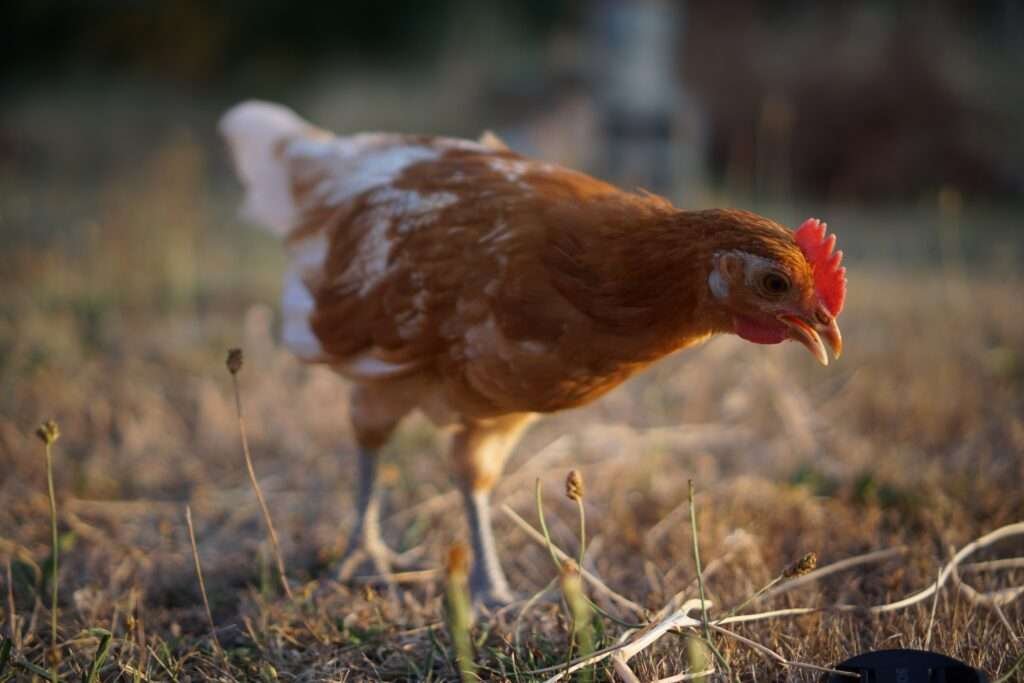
[810, 333]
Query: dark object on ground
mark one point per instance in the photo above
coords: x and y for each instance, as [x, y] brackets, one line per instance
[907, 666]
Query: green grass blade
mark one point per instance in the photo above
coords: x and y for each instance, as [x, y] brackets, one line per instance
[93, 673]
[5, 656]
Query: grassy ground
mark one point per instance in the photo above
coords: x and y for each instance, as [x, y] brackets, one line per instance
[122, 297]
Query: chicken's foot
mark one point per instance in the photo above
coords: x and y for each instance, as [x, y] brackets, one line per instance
[365, 546]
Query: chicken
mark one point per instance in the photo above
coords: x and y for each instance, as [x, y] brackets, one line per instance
[485, 288]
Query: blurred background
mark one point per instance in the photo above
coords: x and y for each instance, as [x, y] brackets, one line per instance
[878, 104]
[125, 274]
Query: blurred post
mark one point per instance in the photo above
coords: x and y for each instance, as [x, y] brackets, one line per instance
[635, 44]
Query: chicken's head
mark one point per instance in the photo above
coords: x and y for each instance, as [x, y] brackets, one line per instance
[774, 290]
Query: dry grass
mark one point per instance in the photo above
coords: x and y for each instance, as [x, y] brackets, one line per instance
[913, 441]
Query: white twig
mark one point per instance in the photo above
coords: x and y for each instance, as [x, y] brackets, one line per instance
[993, 600]
[994, 565]
[686, 677]
[678, 619]
[931, 621]
[623, 670]
[972, 547]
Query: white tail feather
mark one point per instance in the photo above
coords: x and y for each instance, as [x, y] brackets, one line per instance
[254, 131]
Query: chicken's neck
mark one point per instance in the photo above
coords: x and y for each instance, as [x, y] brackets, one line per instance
[643, 280]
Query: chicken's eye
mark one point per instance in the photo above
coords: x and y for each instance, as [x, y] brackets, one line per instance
[774, 284]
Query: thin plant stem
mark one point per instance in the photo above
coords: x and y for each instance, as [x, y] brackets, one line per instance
[700, 581]
[259, 493]
[199, 575]
[583, 529]
[696, 561]
[544, 527]
[54, 541]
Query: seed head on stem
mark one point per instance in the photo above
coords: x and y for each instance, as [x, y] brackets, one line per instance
[48, 432]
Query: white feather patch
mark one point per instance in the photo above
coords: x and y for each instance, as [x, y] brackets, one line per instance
[512, 169]
[368, 367]
[411, 209]
[297, 303]
[356, 163]
[253, 130]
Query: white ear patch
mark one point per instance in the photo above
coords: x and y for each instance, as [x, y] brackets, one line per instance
[719, 287]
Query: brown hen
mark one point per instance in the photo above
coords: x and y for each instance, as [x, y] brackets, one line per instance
[484, 288]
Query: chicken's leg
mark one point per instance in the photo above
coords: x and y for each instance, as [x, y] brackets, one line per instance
[375, 410]
[365, 541]
[479, 450]
[487, 581]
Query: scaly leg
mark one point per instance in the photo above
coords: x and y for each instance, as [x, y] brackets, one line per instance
[376, 410]
[479, 450]
[487, 580]
[365, 541]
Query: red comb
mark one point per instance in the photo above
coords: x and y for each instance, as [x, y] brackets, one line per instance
[829, 278]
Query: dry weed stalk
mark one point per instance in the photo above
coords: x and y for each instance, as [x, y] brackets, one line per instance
[202, 584]
[234, 365]
[48, 432]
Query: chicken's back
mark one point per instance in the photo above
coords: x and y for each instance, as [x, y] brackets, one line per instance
[426, 255]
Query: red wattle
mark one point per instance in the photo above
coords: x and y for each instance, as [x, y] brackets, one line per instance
[760, 333]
